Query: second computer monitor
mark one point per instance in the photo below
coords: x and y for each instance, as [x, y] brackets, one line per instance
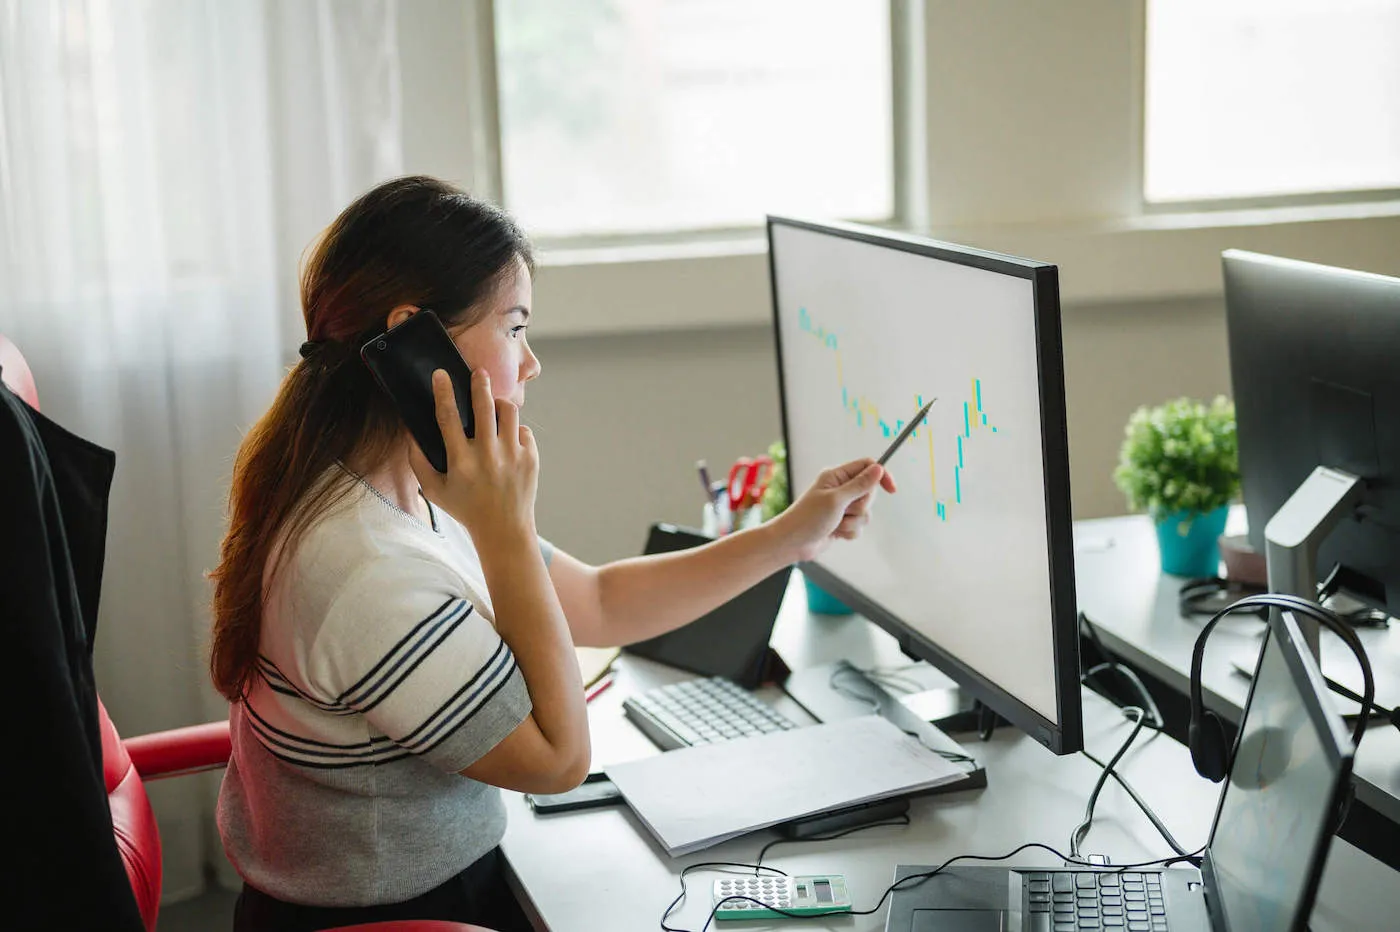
[970, 564]
[1313, 362]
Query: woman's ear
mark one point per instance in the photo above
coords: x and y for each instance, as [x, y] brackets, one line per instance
[400, 314]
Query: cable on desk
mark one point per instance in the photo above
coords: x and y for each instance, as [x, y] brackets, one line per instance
[695, 867]
[1363, 617]
[1082, 829]
[902, 820]
[913, 880]
[895, 677]
[986, 721]
[831, 682]
[1141, 804]
[1111, 663]
[1155, 723]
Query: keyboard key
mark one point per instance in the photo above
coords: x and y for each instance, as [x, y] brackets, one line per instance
[702, 712]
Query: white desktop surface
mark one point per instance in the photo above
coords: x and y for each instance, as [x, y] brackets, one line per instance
[601, 870]
[1133, 605]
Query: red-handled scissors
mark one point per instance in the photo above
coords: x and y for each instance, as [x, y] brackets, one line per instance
[748, 479]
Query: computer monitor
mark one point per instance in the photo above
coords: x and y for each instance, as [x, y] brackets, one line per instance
[1315, 363]
[970, 564]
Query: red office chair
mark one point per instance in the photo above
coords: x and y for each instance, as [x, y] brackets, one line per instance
[127, 763]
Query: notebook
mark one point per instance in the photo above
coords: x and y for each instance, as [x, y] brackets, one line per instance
[593, 662]
[696, 797]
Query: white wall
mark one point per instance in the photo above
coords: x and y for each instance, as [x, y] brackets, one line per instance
[654, 357]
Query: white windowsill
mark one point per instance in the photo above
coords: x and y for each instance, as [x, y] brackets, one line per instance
[723, 281]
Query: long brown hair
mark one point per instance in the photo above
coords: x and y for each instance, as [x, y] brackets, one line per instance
[413, 240]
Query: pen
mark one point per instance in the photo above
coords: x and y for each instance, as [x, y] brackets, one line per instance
[593, 691]
[908, 429]
[705, 480]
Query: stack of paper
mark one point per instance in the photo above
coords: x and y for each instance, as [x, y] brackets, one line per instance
[696, 797]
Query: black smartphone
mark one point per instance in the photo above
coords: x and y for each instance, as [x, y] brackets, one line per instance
[403, 360]
[596, 790]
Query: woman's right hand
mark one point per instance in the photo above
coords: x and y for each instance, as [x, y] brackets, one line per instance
[489, 486]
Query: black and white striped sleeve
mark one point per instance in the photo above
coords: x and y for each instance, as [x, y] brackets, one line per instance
[403, 646]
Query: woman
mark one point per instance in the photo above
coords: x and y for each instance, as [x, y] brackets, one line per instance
[398, 642]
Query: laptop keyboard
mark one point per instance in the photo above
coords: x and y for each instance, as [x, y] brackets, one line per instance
[701, 712]
[1064, 901]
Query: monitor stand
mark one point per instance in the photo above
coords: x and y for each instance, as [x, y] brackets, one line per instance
[1298, 528]
[834, 691]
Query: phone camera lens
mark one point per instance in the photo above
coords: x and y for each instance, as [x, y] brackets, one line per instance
[381, 345]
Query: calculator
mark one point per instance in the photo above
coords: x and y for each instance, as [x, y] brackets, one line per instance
[803, 896]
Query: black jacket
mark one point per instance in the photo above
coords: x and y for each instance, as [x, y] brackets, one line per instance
[57, 826]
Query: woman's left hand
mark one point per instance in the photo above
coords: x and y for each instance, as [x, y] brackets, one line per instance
[836, 505]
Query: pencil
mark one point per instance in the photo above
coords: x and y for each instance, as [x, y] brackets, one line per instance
[593, 691]
[908, 429]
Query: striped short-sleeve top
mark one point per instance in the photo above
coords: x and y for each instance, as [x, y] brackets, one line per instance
[381, 676]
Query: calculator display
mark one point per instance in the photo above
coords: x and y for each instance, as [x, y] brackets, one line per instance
[823, 891]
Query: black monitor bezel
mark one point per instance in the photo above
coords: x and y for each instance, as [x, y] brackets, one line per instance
[1067, 735]
[1336, 745]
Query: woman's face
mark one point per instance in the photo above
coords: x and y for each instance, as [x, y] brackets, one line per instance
[497, 344]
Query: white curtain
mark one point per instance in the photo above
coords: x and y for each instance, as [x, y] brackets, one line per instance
[162, 165]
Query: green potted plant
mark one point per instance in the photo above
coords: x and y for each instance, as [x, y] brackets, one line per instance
[775, 499]
[1180, 464]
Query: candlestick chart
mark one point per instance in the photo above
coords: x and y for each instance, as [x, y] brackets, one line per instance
[952, 456]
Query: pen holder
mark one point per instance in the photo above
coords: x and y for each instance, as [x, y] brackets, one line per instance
[714, 519]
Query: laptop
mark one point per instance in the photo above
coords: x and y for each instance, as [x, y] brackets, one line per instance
[1273, 827]
[732, 640]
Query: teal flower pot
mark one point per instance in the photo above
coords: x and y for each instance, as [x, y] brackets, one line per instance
[1188, 542]
[823, 602]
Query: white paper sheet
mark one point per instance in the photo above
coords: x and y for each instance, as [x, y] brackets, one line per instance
[696, 797]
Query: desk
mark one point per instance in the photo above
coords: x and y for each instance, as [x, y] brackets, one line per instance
[1133, 607]
[601, 870]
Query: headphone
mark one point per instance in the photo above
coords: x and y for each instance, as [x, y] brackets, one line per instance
[1205, 735]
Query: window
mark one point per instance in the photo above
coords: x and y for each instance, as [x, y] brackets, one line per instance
[637, 116]
[1261, 98]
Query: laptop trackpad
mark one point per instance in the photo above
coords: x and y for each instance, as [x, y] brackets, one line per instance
[958, 920]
